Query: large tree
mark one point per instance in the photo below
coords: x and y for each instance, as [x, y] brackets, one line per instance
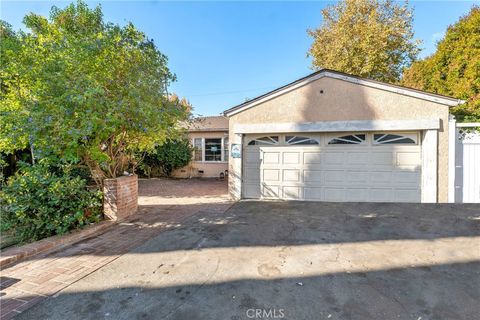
[454, 69]
[368, 38]
[85, 91]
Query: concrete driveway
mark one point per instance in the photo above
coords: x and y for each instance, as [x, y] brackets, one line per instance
[292, 260]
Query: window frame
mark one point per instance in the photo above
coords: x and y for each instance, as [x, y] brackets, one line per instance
[401, 135]
[339, 136]
[263, 143]
[223, 154]
[303, 138]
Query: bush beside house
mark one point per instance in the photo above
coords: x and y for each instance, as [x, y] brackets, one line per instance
[166, 158]
[38, 202]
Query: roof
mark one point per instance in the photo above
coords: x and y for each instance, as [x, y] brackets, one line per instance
[211, 123]
[349, 78]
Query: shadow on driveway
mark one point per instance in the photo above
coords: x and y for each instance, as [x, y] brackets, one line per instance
[311, 260]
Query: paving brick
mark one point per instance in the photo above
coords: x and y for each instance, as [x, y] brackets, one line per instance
[163, 204]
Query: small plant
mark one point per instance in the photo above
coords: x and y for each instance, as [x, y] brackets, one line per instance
[37, 203]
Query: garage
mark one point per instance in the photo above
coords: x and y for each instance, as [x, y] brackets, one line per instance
[331, 136]
[376, 167]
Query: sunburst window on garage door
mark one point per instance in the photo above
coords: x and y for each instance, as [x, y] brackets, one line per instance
[298, 140]
[386, 138]
[349, 139]
[270, 140]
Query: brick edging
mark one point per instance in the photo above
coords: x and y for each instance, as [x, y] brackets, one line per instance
[20, 253]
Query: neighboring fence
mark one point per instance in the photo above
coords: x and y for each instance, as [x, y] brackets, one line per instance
[467, 162]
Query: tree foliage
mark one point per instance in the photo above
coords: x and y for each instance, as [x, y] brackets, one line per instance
[85, 91]
[454, 69]
[368, 38]
[172, 155]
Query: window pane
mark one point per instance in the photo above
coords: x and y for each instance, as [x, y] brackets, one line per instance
[197, 149]
[299, 140]
[392, 139]
[225, 149]
[271, 140]
[213, 149]
[351, 139]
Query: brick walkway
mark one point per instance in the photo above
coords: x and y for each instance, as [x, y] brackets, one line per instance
[163, 204]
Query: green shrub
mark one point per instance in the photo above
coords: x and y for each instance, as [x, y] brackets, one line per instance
[171, 155]
[38, 203]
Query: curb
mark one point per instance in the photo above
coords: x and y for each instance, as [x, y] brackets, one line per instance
[20, 253]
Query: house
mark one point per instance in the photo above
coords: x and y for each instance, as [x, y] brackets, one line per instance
[209, 138]
[332, 136]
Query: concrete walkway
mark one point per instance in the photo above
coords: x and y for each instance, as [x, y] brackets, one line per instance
[163, 205]
[291, 260]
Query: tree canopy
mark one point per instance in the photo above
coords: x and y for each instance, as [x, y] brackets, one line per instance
[454, 69]
[368, 38]
[84, 90]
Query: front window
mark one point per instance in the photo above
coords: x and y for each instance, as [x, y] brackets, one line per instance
[197, 149]
[213, 149]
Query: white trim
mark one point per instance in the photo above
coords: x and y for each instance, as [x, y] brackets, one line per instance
[452, 133]
[429, 166]
[365, 82]
[468, 124]
[338, 126]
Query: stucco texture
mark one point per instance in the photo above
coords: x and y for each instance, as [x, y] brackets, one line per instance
[345, 101]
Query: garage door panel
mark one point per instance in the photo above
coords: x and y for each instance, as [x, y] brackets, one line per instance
[357, 158]
[357, 177]
[271, 157]
[291, 158]
[312, 158]
[381, 194]
[271, 175]
[334, 177]
[270, 191]
[334, 194]
[291, 175]
[408, 159]
[334, 158]
[407, 195]
[292, 192]
[356, 194]
[380, 177]
[313, 193]
[382, 158]
[312, 176]
[406, 177]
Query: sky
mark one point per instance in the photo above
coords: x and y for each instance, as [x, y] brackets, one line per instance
[224, 52]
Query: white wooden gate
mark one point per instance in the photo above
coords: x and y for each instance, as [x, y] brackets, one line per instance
[467, 163]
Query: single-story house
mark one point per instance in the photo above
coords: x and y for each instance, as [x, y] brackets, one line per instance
[209, 138]
[332, 136]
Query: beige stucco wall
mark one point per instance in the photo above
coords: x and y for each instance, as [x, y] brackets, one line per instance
[210, 169]
[343, 101]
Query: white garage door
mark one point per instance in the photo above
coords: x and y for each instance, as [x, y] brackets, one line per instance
[381, 167]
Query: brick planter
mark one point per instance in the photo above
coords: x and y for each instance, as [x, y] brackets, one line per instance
[120, 197]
